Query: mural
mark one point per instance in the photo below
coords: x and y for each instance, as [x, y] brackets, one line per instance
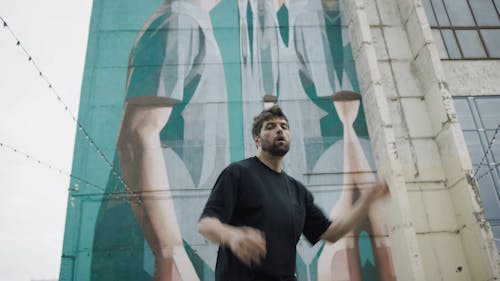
[193, 75]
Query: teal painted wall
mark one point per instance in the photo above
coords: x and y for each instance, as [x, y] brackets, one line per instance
[219, 65]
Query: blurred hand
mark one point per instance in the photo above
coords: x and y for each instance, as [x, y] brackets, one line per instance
[248, 244]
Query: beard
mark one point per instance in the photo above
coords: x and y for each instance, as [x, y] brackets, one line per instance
[275, 148]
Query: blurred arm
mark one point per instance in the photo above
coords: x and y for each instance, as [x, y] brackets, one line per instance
[247, 243]
[352, 219]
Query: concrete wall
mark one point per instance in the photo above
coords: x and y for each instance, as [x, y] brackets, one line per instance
[473, 78]
[418, 143]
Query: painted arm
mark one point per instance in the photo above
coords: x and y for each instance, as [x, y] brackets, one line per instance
[247, 243]
[145, 172]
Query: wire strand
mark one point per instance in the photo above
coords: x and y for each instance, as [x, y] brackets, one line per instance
[485, 155]
[50, 166]
[492, 167]
[153, 193]
[80, 126]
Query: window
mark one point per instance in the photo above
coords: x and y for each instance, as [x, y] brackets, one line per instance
[465, 29]
[480, 121]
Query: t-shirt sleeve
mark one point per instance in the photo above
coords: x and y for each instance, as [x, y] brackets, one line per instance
[316, 222]
[222, 199]
[163, 58]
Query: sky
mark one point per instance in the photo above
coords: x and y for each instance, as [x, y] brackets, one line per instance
[33, 197]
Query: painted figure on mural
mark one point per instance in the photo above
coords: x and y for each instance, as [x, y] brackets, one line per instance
[294, 50]
[177, 99]
[284, 55]
[271, 67]
[174, 130]
[342, 261]
[259, 59]
[257, 212]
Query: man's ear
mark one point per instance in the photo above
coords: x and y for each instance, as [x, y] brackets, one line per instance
[256, 140]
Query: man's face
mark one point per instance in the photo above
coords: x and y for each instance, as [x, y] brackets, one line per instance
[274, 137]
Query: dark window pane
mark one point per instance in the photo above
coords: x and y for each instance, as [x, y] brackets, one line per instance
[492, 40]
[429, 12]
[464, 114]
[439, 44]
[489, 197]
[488, 181]
[440, 12]
[475, 148]
[489, 111]
[495, 227]
[497, 5]
[498, 173]
[451, 44]
[485, 12]
[470, 43]
[459, 13]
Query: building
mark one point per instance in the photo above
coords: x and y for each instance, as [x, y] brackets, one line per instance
[402, 48]
[426, 73]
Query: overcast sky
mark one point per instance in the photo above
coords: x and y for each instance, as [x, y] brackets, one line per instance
[33, 198]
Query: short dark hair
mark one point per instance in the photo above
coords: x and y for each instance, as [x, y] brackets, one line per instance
[266, 114]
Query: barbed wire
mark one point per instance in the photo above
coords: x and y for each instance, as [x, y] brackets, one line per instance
[492, 167]
[485, 155]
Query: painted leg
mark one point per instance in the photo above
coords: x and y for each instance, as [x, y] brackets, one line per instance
[341, 261]
[347, 104]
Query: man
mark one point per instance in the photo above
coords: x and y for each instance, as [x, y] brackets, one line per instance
[256, 212]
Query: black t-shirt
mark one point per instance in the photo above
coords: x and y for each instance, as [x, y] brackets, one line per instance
[248, 193]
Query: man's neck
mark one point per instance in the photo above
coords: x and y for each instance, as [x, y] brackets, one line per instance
[271, 161]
